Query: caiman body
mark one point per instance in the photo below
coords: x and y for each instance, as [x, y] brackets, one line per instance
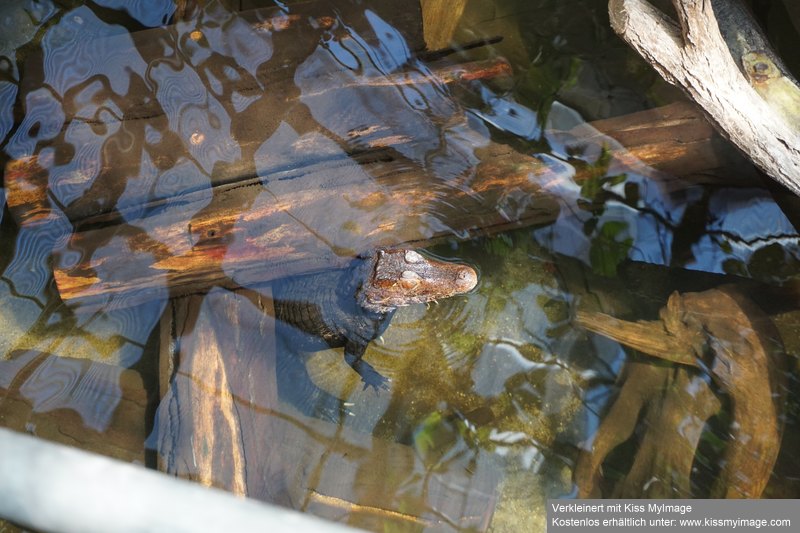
[349, 308]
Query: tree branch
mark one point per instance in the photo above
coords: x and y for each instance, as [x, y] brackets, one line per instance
[707, 55]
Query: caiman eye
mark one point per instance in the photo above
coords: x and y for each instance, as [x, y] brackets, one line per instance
[412, 257]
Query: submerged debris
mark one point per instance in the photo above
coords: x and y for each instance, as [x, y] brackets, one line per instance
[718, 334]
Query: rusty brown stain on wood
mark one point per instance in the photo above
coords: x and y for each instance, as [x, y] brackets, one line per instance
[26, 189]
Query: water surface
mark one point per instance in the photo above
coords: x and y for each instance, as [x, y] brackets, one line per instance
[166, 167]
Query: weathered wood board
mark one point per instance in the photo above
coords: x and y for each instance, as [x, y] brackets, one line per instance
[221, 423]
[247, 235]
[291, 224]
[212, 423]
[678, 140]
[164, 111]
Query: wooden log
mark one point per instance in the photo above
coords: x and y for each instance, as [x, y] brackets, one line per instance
[676, 407]
[676, 139]
[701, 54]
[98, 407]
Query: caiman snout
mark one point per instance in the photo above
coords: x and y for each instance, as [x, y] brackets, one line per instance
[405, 277]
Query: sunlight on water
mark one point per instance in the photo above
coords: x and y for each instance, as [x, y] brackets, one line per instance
[193, 196]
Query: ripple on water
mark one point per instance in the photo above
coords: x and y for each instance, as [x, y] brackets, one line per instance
[70, 181]
[227, 35]
[147, 12]
[133, 324]
[184, 177]
[8, 92]
[43, 121]
[90, 389]
[81, 46]
[196, 115]
[30, 270]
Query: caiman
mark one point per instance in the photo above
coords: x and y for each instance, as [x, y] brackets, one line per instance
[351, 307]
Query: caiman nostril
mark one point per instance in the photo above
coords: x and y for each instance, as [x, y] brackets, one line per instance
[467, 279]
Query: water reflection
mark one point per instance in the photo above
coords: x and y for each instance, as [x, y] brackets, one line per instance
[160, 177]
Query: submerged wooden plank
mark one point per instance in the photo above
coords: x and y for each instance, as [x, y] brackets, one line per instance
[257, 230]
[112, 185]
[251, 233]
[221, 423]
[296, 227]
[161, 111]
[224, 375]
[676, 139]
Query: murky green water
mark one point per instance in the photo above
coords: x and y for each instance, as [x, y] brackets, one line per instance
[166, 168]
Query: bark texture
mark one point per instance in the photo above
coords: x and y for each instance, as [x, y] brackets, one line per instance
[716, 54]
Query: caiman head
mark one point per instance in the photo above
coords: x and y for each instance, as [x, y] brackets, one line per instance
[403, 277]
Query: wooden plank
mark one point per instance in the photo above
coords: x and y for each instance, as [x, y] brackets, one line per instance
[188, 245]
[297, 227]
[293, 226]
[251, 234]
[98, 407]
[224, 373]
[115, 186]
[222, 424]
[676, 139]
[171, 109]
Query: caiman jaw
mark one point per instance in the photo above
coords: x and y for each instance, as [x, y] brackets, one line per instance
[404, 277]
